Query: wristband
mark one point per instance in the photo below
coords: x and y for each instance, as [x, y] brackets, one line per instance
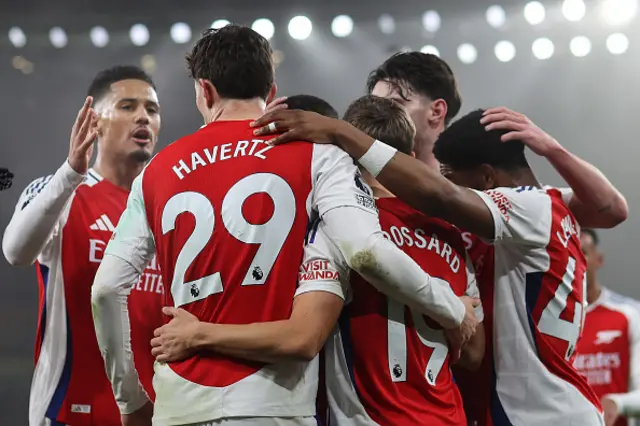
[377, 157]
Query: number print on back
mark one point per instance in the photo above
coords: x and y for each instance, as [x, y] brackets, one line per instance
[271, 235]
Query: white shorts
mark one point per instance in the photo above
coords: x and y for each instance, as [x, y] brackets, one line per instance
[260, 421]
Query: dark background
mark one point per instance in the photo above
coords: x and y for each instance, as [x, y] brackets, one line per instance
[589, 104]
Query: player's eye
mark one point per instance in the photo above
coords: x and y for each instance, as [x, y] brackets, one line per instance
[152, 110]
[127, 107]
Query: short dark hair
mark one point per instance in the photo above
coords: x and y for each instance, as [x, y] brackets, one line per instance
[466, 144]
[594, 235]
[422, 73]
[236, 60]
[313, 104]
[384, 120]
[102, 82]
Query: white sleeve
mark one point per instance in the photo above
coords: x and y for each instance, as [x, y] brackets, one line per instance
[520, 215]
[629, 403]
[133, 240]
[36, 217]
[127, 254]
[472, 286]
[111, 287]
[323, 267]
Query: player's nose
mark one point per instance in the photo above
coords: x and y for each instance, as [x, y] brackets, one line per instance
[142, 117]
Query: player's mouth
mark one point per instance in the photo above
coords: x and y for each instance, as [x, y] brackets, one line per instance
[142, 136]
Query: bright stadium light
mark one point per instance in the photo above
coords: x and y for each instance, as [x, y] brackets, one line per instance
[58, 37]
[180, 33]
[432, 50]
[387, 24]
[467, 53]
[431, 21]
[534, 12]
[264, 27]
[617, 43]
[505, 51]
[618, 12]
[300, 27]
[574, 10]
[496, 16]
[219, 23]
[580, 46]
[17, 37]
[99, 36]
[342, 26]
[543, 48]
[139, 35]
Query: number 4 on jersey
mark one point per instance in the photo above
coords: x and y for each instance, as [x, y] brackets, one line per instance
[550, 322]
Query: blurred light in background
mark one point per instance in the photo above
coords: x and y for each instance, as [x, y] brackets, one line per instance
[58, 37]
[430, 50]
[342, 26]
[505, 51]
[219, 23]
[387, 24]
[264, 27]
[617, 43]
[300, 27]
[148, 63]
[467, 53]
[99, 36]
[496, 16]
[574, 10]
[534, 12]
[543, 48]
[180, 33]
[618, 12]
[431, 21]
[17, 37]
[139, 35]
[278, 57]
[580, 46]
[22, 64]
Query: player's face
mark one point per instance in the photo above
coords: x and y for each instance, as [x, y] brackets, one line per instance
[591, 253]
[417, 107]
[129, 121]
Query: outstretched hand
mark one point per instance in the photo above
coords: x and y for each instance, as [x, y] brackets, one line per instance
[83, 133]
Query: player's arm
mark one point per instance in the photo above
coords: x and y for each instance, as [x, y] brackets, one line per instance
[595, 202]
[413, 182]
[350, 220]
[127, 254]
[316, 307]
[44, 200]
[473, 352]
[628, 404]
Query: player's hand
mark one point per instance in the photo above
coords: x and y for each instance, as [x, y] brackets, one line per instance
[295, 125]
[174, 341]
[458, 337]
[611, 411]
[142, 417]
[277, 104]
[520, 128]
[83, 133]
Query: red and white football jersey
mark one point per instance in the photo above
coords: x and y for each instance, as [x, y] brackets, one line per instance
[608, 354]
[387, 365]
[69, 382]
[535, 313]
[227, 215]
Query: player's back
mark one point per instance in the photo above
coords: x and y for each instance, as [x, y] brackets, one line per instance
[386, 364]
[538, 298]
[229, 215]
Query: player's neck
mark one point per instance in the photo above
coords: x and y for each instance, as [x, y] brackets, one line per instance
[423, 148]
[594, 290]
[522, 177]
[119, 173]
[237, 110]
[379, 191]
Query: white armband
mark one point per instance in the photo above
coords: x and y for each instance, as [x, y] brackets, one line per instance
[377, 157]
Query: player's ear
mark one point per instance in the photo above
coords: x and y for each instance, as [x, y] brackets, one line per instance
[413, 154]
[437, 112]
[488, 176]
[599, 259]
[272, 93]
[209, 92]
